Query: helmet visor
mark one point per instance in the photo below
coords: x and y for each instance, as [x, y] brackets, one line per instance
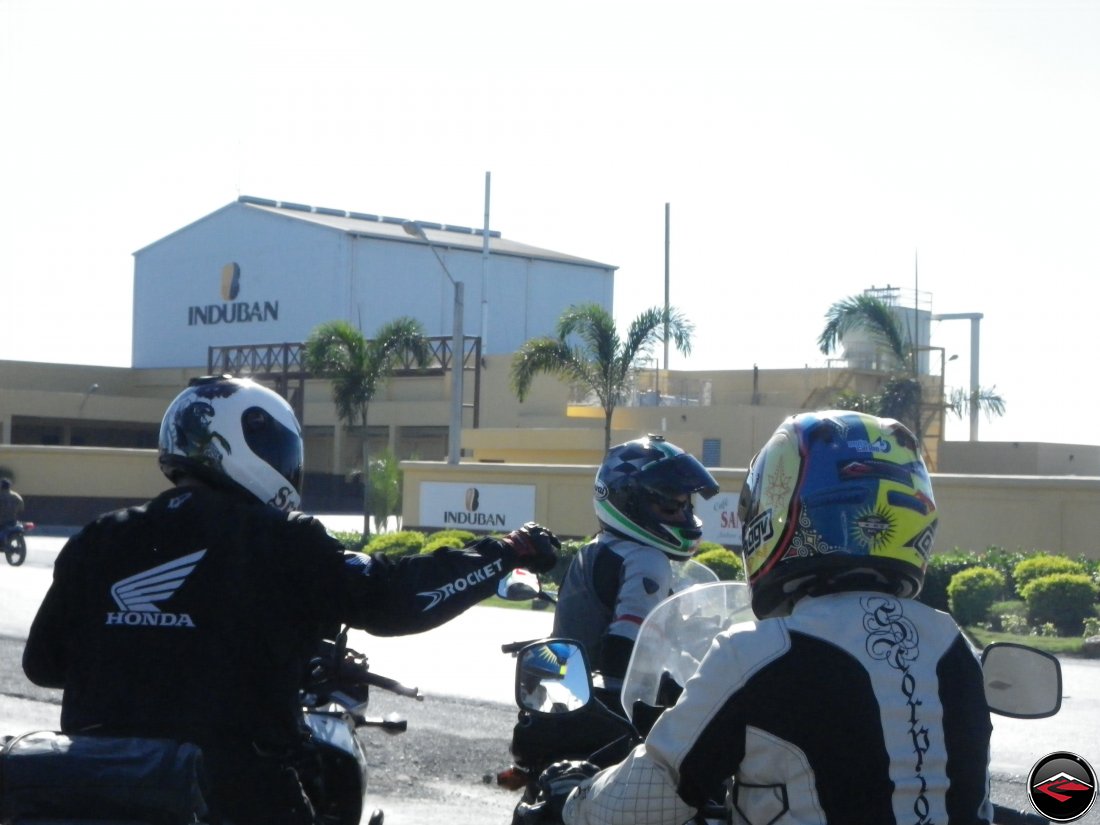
[681, 474]
[274, 443]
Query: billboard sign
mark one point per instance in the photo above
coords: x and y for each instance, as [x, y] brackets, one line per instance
[488, 508]
[720, 522]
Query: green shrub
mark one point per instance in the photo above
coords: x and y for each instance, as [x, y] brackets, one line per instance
[1064, 600]
[351, 541]
[1042, 565]
[1092, 627]
[972, 593]
[447, 538]
[1008, 617]
[725, 563]
[569, 549]
[1011, 623]
[1092, 567]
[941, 568]
[1003, 560]
[401, 543]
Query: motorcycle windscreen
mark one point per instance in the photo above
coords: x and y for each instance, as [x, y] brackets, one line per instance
[677, 634]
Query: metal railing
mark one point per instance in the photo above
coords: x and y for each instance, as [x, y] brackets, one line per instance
[284, 365]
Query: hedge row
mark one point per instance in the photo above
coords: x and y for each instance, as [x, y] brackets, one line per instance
[1057, 590]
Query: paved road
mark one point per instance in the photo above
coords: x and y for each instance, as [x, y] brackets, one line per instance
[462, 661]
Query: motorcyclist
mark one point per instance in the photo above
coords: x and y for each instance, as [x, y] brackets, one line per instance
[849, 701]
[11, 504]
[194, 615]
[643, 498]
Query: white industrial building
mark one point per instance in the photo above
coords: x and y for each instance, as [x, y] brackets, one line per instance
[259, 272]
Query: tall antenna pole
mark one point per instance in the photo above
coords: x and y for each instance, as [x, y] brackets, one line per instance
[666, 282]
[916, 314]
[484, 271]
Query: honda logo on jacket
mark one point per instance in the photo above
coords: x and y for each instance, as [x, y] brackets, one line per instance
[139, 595]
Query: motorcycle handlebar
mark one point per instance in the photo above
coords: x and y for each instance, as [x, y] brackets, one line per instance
[393, 686]
[515, 647]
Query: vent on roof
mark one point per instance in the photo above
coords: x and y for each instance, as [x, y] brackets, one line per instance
[362, 216]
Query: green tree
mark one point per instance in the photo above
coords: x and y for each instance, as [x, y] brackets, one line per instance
[358, 368]
[385, 486]
[589, 353]
[902, 396]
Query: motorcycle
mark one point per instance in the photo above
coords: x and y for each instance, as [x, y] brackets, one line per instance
[14, 543]
[1020, 682]
[539, 742]
[83, 780]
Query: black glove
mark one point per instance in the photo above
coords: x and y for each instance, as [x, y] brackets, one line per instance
[532, 547]
[559, 780]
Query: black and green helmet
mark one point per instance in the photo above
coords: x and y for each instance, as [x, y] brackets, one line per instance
[637, 490]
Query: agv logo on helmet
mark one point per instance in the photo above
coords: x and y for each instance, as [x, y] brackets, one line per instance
[830, 494]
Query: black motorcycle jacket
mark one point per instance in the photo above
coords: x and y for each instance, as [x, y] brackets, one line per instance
[858, 708]
[194, 616]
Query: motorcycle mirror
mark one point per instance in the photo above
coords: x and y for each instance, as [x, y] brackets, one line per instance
[1020, 681]
[519, 585]
[552, 677]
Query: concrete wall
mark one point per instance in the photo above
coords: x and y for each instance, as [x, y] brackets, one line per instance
[1009, 457]
[738, 409]
[1052, 514]
[69, 485]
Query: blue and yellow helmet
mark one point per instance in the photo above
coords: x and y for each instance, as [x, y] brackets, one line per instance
[550, 661]
[835, 500]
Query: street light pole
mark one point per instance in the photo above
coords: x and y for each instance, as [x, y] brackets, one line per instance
[975, 319]
[458, 347]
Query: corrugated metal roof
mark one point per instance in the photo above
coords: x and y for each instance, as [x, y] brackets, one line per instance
[391, 228]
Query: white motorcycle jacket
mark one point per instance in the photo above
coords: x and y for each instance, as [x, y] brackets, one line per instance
[857, 708]
[610, 587]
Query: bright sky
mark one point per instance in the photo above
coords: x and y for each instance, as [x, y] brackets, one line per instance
[808, 150]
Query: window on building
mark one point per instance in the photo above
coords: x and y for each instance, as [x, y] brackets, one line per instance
[422, 443]
[712, 452]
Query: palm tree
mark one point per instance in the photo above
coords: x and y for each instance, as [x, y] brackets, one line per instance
[358, 368]
[902, 396]
[601, 362]
[962, 401]
[385, 486]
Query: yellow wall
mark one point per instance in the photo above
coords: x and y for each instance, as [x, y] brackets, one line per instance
[744, 409]
[90, 472]
[1054, 514]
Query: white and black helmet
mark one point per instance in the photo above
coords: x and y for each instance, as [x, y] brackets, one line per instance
[637, 494]
[234, 432]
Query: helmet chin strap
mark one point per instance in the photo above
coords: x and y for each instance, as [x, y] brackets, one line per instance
[862, 578]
